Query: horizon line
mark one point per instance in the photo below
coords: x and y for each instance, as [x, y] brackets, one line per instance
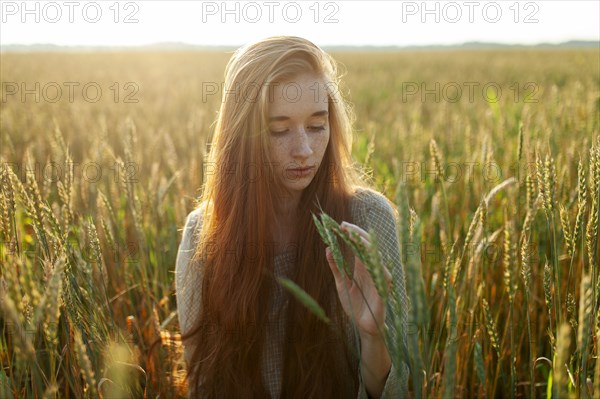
[182, 45]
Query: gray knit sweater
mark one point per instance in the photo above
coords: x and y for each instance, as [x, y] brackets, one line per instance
[370, 210]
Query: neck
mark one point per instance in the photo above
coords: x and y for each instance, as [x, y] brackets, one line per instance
[286, 211]
[286, 221]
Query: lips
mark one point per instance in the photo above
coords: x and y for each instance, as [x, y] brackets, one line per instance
[301, 169]
[299, 172]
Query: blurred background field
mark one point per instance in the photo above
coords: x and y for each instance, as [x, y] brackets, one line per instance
[504, 291]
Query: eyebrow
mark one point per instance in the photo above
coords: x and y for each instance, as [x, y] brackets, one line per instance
[285, 118]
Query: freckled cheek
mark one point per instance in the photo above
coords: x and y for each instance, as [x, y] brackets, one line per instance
[320, 144]
[279, 149]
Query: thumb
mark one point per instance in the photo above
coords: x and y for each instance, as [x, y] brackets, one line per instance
[329, 254]
[332, 265]
[341, 279]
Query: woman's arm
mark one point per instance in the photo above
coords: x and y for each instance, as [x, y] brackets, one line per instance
[375, 364]
[373, 211]
[188, 280]
[383, 219]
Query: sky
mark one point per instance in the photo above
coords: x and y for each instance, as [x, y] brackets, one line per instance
[327, 23]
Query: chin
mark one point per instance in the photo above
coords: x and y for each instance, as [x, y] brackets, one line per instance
[290, 189]
[298, 187]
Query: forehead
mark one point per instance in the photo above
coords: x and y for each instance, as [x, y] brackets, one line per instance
[302, 95]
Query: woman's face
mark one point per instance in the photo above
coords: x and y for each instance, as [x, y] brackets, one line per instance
[298, 130]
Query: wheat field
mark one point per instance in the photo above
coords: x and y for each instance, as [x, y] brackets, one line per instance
[492, 157]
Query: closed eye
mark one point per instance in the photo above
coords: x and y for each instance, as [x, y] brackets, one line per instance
[311, 128]
[279, 132]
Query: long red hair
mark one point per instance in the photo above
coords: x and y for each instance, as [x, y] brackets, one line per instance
[235, 248]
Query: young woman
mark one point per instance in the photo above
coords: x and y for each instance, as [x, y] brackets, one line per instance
[281, 151]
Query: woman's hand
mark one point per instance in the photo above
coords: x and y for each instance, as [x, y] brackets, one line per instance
[368, 312]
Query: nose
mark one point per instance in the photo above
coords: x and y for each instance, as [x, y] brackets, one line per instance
[301, 148]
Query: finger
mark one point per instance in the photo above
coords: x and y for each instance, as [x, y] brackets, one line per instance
[364, 236]
[387, 276]
[340, 279]
[352, 227]
[332, 264]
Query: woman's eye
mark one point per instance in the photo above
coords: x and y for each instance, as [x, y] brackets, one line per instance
[278, 132]
[310, 128]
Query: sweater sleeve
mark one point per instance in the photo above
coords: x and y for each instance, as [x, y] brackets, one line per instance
[188, 279]
[375, 212]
